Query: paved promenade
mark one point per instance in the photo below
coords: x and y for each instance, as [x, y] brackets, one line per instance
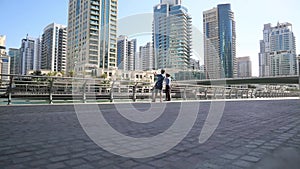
[263, 134]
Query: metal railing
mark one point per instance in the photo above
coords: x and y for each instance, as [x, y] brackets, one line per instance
[16, 88]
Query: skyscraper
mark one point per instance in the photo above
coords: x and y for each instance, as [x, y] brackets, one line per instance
[277, 55]
[2, 44]
[54, 48]
[4, 59]
[244, 66]
[219, 42]
[92, 35]
[126, 53]
[147, 57]
[172, 35]
[30, 55]
[15, 60]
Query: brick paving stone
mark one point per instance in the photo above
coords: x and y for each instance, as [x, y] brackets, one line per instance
[230, 156]
[55, 165]
[84, 166]
[73, 162]
[250, 158]
[41, 162]
[242, 163]
[58, 158]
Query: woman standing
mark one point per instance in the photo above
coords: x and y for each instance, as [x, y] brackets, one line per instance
[168, 87]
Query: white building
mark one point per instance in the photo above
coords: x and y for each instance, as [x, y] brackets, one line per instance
[126, 53]
[277, 55]
[147, 59]
[4, 59]
[54, 48]
[92, 36]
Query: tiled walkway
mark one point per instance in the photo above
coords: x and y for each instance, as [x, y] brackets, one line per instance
[251, 134]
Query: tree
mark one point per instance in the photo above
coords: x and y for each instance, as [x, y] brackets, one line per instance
[37, 73]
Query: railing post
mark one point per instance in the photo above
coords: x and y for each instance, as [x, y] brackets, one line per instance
[205, 93]
[184, 93]
[84, 92]
[50, 90]
[215, 93]
[134, 92]
[230, 93]
[224, 93]
[10, 90]
[111, 92]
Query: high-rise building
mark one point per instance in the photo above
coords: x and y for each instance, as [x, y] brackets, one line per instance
[15, 60]
[277, 55]
[4, 59]
[195, 64]
[2, 44]
[244, 66]
[138, 61]
[147, 57]
[219, 42]
[54, 48]
[92, 35]
[126, 53]
[172, 35]
[30, 55]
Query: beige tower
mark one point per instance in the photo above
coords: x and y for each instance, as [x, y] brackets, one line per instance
[92, 36]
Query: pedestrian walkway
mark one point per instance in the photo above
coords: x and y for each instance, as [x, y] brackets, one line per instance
[251, 134]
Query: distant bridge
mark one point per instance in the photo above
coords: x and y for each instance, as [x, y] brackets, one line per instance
[295, 79]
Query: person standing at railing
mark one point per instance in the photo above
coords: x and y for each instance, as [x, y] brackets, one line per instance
[168, 87]
[158, 85]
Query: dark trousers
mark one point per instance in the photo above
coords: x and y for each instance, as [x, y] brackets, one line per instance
[168, 91]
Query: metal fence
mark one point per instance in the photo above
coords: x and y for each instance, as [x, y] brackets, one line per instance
[16, 89]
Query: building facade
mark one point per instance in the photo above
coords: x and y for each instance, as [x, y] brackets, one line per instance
[54, 48]
[2, 45]
[172, 35]
[277, 55]
[92, 36]
[244, 66]
[4, 59]
[147, 59]
[15, 60]
[126, 53]
[30, 55]
[219, 42]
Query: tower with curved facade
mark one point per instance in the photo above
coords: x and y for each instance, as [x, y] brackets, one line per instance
[219, 42]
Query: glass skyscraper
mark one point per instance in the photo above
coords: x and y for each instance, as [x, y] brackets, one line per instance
[30, 55]
[219, 42]
[172, 35]
[15, 60]
[92, 35]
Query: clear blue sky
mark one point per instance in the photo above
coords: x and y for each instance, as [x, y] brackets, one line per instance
[19, 17]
